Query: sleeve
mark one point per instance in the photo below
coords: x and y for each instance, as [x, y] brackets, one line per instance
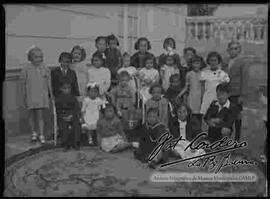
[244, 78]
[161, 60]
[107, 82]
[58, 106]
[53, 83]
[75, 85]
[84, 104]
[231, 117]
[134, 61]
[188, 79]
[178, 61]
[208, 114]
[49, 81]
[76, 107]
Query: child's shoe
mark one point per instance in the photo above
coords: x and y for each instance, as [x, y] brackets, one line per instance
[34, 137]
[42, 139]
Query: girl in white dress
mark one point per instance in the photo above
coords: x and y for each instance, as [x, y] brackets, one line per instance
[91, 111]
[211, 77]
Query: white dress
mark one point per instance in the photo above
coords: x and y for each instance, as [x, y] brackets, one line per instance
[91, 108]
[212, 79]
[132, 72]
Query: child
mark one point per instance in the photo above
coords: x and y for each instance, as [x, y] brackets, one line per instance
[148, 135]
[79, 66]
[99, 74]
[90, 111]
[122, 96]
[101, 45]
[142, 46]
[210, 79]
[130, 69]
[193, 87]
[174, 90]
[148, 76]
[37, 88]
[221, 114]
[113, 57]
[168, 69]
[238, 70]
[64, 74]
[189, 52]
[110, 134]
[183, 124]
[169, 46]
[68, 114]
[159, 102]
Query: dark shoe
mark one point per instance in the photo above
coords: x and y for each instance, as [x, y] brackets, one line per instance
[66, 148]
[77, 148]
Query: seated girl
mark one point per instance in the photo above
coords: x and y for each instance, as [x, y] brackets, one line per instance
[110, 134]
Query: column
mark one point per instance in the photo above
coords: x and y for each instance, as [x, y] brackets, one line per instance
[125, 21]
[211, 30]
[196, 30]
[203, 31]
[138, 20]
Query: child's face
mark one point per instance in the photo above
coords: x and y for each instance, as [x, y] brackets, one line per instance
[66, 89]
[170, 61]
[77, 55]
[109, 112]
[234, 50]
[175, 82]
[213, 62]
[126, 61]
[188, 55]
[196, 65]
[124, 81]
[222, 97]
[152, 118]
[149, 63]
[65, 62]
[182, 113]
[156, 93]
[169, 45]
[93, 93]
[37, 57]
[97, 62]
[143, 46]
[101, 45]
[112, 44]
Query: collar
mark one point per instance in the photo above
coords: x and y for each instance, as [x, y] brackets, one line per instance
[227, 105]
[61, 68]
[184, 123]
[171, 52]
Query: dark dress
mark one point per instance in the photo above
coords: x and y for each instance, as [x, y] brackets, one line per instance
[162, 60]
[113, 62]
[137, 60]
[227, 116]
[69, 131]
[147, 140]
[57, 77]
[172, 93]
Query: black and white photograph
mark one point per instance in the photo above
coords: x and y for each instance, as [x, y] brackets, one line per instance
[135, 100]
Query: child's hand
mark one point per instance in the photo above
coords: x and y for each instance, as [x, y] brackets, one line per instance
[225, 131]
[119, 113]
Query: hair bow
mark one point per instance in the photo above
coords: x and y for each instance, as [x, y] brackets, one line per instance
[92, 85]
[103, 55]
[30, 48]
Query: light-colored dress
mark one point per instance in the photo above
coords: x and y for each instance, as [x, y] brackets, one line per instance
[212, 79]
[149, 75]
[36, 82]
[82, 74]
[166, 72]
[91, 107]
[102, 76]
[195, 91]
[132, 72]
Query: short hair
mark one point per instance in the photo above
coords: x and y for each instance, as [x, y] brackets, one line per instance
[233, 42]
[214, 54]
[126, 54]
[112, 37]
[174, 76]
[152, 109]
[198, 58]
[31, 51]
[123, 74]
[169, 39]
[172, 56]
[180, 105]
[65, 55]
[136, 46]
[98, 55]
[83, 53]
[223, 87]
[149, 57]
[88, 87]
[108, 105]
[100, 38]
[190, 49]
[155, 86]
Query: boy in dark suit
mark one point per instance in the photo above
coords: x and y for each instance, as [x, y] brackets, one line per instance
[237, 68]
[64, 74]
[221, 114]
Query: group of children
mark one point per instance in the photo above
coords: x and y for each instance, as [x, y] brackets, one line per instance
[117, 95]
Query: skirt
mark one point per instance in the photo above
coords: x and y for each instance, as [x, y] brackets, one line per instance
[108, 143]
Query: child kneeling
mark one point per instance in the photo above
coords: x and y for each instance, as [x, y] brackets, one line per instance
[110, 134]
